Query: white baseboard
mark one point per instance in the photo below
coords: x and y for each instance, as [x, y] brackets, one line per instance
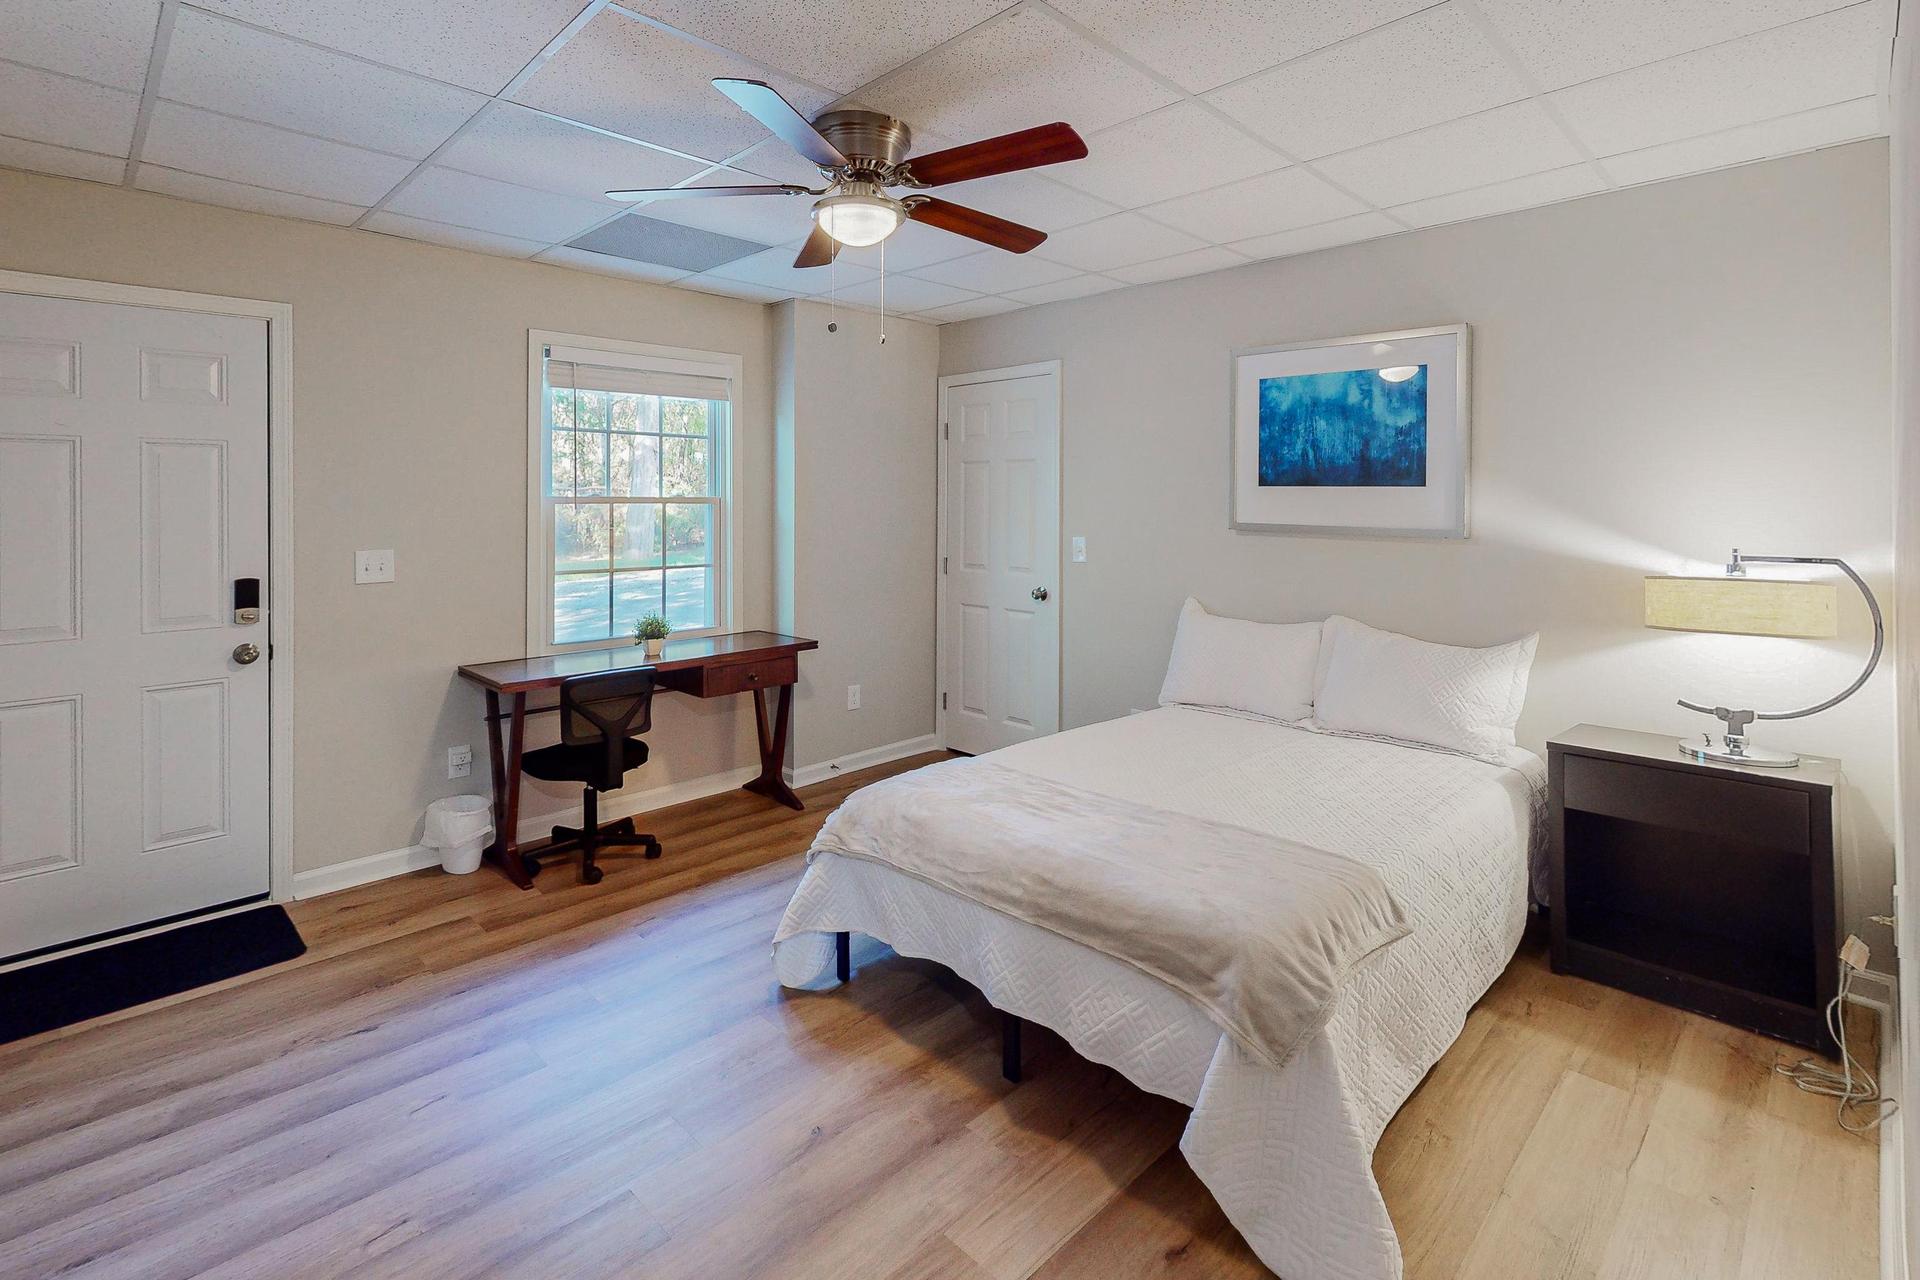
[807, 775]
[1893, 1179]
[375, 866]
[397, 862]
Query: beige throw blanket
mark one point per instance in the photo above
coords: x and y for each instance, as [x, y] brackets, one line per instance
[1261, 932]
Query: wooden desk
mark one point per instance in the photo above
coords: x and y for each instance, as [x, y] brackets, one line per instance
[705, 667]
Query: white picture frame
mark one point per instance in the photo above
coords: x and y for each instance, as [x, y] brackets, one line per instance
[1273, 501]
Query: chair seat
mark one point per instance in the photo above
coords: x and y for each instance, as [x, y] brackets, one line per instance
[579, 764]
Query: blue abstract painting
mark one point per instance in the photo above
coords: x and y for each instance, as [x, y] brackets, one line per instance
[1351, 429]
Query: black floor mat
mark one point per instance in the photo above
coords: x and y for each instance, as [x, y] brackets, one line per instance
[57, 993]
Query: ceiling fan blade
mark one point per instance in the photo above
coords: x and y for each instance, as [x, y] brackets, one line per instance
[1027, 149]
[681, 193]
[819, 250]
[764, 104]
[973, 224]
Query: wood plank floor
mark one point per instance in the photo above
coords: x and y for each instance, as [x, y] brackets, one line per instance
[460, 1079]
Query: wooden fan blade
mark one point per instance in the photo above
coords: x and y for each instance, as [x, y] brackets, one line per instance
[681, 193]
[764, 103]
[1027, 149]
[819, 250]
[974, 224]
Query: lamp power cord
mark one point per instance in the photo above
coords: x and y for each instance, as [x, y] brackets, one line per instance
[1859, 1106]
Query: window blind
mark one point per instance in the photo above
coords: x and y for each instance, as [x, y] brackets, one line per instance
[646, 382]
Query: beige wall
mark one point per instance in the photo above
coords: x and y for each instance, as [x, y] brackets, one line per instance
[410, 392]
[854, 427]
[1659, 374]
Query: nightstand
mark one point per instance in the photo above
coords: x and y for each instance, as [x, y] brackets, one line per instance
[1705, 886]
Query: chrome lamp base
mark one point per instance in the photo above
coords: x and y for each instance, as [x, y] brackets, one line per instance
[1737, 750]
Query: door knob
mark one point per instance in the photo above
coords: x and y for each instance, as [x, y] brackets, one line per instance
[1039, 593]
[246, 653]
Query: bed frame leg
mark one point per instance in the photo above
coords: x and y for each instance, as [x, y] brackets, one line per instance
[843, 955]
[1010, 1047]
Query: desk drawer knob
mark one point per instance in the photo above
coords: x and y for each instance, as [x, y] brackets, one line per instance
[752, 676]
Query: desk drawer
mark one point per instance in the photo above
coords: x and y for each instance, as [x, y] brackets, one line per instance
[743, 677]
[1771, 817]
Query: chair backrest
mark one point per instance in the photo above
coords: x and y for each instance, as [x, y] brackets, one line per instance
[606, 708]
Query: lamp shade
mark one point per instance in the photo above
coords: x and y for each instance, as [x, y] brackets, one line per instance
[1743, 606]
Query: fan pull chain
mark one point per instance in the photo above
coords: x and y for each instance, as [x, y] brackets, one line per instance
[833, 292]
[883, 293]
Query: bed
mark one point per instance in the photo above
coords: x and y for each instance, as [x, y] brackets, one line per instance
[1287, 1152]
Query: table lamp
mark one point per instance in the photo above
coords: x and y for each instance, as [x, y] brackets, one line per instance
[1734, 604]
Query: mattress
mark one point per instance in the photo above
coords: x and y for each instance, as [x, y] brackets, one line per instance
[1287, 1153]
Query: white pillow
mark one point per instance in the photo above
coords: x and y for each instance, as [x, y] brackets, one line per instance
[1264, 668]
[1393, 686]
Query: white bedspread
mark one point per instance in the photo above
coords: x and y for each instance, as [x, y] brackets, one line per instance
[1287, 1153]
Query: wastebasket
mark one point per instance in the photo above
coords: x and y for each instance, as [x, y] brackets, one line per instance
[459, 827]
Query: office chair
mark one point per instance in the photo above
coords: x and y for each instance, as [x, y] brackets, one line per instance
[599, 714]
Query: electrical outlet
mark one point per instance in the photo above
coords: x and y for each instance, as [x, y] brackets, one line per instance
[459, 761]
[1079, 550]
[373, 566]
[853, 697]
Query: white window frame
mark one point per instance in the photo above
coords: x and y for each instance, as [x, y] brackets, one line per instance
[726, 474]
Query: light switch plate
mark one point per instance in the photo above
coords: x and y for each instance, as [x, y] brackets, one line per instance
[373, 566]
[1079, 550]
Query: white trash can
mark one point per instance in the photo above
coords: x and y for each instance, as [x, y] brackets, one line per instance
[459, 827]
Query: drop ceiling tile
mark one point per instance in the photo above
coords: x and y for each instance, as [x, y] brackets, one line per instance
[237, 195]
[772, 159]
[913, 246]
[44, 157]
[466, 200]
[1028, 198]
[1816, 63]
[1256, 206]
[840, 45]
[242, 71]
[1507, 142]
[259, 155]
[1114, 242]
[1205, 43]
[1199, 262]
[1362, 226]
[1419, 71]
[607, 265]
[996, 271]
[971, 309]
[1061, 290]
[1821, 127]
[634, 78]
[516, 145]
[478, 48]
[904, 294]
[765, 220]
[1022, 70]
[1504, 197]
[709, 283]
[1562, 42]
[43, 107]
[1163, 155]
[774, 269]
[453, 237]
[106, 41]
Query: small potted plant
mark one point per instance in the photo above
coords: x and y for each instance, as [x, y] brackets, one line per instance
[652, 631]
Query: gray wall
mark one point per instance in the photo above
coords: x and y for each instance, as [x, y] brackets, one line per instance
[1659, 374]
[855, 456]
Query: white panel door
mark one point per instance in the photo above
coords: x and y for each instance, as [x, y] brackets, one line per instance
[133, 739]
[1000, 625]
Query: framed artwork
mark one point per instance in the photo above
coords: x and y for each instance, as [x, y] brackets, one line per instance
[1365, 435]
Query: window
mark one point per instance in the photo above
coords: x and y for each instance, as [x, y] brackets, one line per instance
[631, 457]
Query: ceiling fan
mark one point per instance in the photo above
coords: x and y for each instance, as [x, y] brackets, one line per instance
[861, 154]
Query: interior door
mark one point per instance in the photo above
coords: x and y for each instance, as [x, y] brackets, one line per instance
[133, 721]
[1000, 623]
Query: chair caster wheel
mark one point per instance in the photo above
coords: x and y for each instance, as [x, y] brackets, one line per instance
[653, 850]
[592, 875]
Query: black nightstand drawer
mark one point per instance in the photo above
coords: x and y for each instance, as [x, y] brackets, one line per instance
[1770, 817]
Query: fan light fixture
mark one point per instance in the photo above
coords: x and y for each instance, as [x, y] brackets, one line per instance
[858, 218]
